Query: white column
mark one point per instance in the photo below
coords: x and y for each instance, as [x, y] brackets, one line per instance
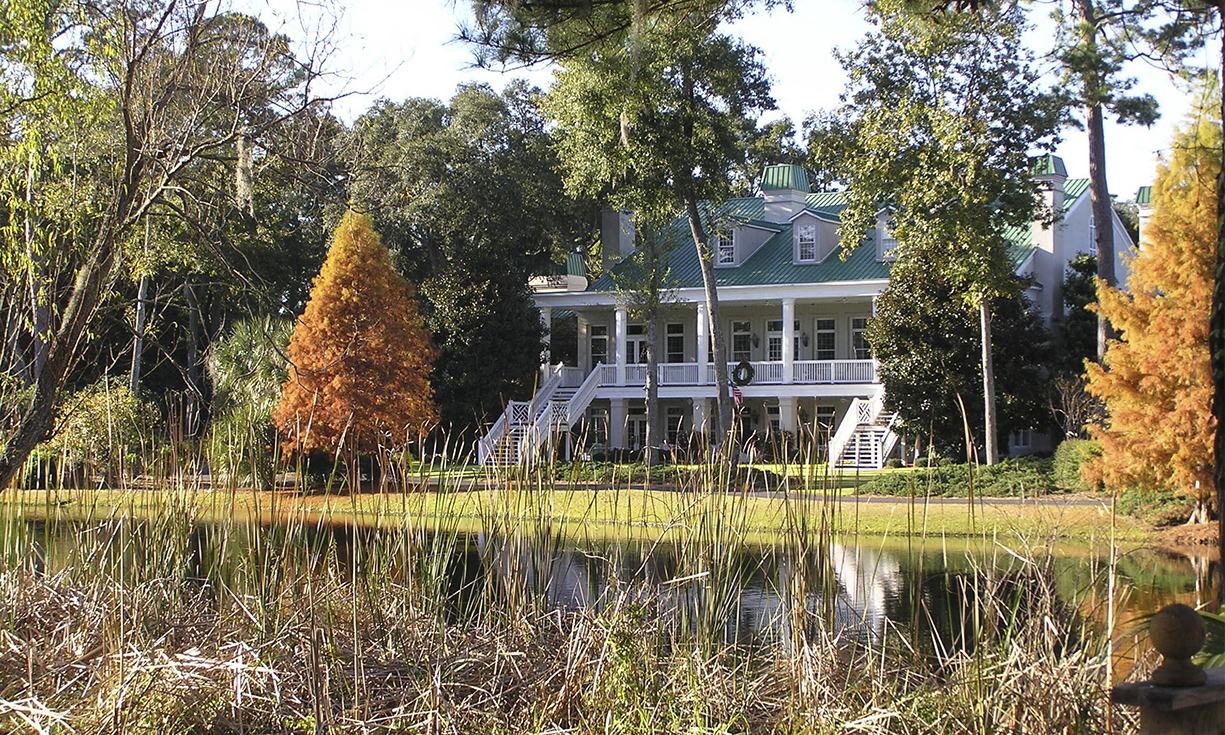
[546, 318]
[789, 343]
[616, 423]
[619, 341]
[700, 415]
[786, 413]
[584, 344]
[703, 347]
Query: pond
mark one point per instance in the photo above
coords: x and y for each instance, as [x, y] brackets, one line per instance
[860, 589]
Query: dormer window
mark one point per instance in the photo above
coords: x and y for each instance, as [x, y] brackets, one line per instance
[725, 248]
[888, 243]
[807, 244]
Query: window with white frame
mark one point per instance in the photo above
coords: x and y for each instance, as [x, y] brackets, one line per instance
[597, 428]
[675, 347]
[807, 244]
[773, 414]
[774, 340]
[635, 344]
[636, 428]
[725, 248]
[825, 339]
[825, 424]
[674, 419]
[1092, 237]
[599, 345]
[825, 418]
[742, 341]
[888, 243]
[859, 338]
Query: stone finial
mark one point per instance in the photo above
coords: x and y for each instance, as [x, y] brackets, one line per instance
[1177, 632]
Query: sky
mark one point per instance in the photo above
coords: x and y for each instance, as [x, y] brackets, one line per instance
[404, 50]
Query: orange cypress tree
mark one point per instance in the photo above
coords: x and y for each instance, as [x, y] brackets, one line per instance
[1157, 381]
[359, 356]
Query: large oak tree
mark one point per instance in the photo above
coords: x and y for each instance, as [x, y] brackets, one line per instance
[162, 86]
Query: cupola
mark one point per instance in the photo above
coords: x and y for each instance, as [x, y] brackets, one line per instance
[785, 188]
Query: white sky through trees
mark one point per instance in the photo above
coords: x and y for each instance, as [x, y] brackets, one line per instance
[402, 50]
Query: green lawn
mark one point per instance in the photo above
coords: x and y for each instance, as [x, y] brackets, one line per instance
[607, 513]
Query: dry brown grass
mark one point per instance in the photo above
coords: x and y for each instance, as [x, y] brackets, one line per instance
[98, 656]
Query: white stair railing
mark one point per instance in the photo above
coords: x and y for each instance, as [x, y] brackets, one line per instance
[891, 437]
[518, 413]
[864, 413]
[582, 397]
[487, 444]
[558, 415]
[846, 429]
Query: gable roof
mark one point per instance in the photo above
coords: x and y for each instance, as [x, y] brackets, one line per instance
[772, 264]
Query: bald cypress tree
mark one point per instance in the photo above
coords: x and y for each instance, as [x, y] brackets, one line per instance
[360, 358]
[1157, 378]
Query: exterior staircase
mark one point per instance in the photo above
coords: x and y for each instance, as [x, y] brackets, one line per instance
[865, 437]
[525, 428]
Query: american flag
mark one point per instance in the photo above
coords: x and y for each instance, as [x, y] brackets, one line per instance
[737, 396]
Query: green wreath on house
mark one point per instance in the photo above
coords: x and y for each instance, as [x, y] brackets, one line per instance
[743, 373]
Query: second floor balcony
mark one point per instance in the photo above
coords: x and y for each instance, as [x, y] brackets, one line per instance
[803, 372]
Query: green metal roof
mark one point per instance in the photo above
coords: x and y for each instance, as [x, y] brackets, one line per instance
[575, 265]
[1072, 190]
[784, 176]
[772, 263]
[1049, 165]
[1144, 195]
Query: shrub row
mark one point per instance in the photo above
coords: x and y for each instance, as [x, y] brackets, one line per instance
[1024, 477]
[1021, 477]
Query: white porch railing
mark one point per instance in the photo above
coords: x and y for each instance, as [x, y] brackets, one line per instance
[835, 371]
[809, 372]
[678, 373]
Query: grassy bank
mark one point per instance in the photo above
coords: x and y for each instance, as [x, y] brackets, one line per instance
[612, 513]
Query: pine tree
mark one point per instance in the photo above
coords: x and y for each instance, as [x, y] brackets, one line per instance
[1157, 379]
[360, 358]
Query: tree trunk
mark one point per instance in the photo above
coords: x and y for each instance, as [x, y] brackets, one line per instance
[138, 343]
[1102, 219]
[989, 440]
[1099, 193]
[40, 313]
[38, 421]
[1216, 344]
[244, 180]
[142, 321]
[706, 259]
[651, 455]
[195, 386]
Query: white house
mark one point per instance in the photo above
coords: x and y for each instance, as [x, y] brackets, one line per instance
[792, 307]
